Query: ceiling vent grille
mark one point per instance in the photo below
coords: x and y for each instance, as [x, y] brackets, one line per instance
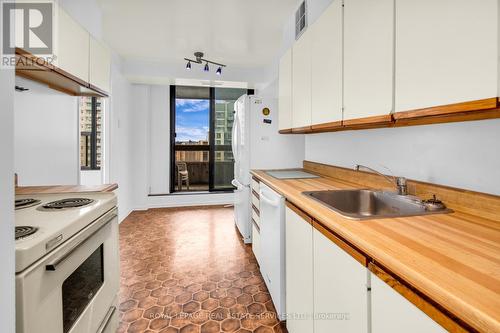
[300, 20]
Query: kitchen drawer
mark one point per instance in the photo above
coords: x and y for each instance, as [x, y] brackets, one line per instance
[256, 241]
[255, 217]
[255, 201]
[255, 185]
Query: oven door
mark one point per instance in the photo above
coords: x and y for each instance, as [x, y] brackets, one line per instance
[74, 288]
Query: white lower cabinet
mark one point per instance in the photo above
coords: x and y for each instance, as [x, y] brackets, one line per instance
[256, 242]
[392, 313]
[327, 290]
[340, 289]
[299, 273]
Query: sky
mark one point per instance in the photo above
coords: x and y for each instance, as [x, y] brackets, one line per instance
[192, 119]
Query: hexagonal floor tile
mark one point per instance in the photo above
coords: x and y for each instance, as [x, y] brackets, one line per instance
[172, 282]
[191, 307]
[210, 304]
[210, 327]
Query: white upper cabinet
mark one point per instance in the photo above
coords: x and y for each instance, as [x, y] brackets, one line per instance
[368, 58]
[301, 83]
[285, 91]
[73, 43]
[446, 52]
[299, 273]
[326, 66]
[392, 313]
[340, 289]
[100, 65]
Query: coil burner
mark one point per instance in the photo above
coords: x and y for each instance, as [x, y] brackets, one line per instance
[67, 203]
[25, 203]
[25, 231]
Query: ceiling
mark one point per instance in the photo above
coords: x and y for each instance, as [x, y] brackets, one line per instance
[240, 33]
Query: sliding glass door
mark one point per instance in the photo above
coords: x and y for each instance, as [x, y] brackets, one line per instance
[190, 126]
[201, 124]
[224, 117]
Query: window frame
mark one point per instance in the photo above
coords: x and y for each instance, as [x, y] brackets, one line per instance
[301, 18]
[93, 138]
[210, 148]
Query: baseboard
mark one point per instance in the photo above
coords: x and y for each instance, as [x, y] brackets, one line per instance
[122, 218]
[192, 204]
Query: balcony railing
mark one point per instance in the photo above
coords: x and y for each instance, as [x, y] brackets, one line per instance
[198, 173]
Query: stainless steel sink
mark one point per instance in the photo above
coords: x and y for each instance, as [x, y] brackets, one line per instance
[370, 204]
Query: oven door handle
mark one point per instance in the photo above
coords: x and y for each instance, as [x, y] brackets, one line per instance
[53, 265]
[106, 320]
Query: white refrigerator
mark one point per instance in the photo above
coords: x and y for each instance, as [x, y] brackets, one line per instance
[256, 144]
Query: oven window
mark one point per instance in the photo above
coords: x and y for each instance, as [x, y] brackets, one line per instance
[81, 286]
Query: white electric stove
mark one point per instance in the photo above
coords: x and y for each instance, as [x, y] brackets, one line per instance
[67, 262]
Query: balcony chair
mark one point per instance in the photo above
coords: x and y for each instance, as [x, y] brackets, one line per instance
[182, 175]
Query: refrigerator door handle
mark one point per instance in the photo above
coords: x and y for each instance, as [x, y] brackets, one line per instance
[238, 184]
[234, 135]
[235, 183]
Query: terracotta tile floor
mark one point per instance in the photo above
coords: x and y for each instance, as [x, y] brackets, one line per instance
[186, 270]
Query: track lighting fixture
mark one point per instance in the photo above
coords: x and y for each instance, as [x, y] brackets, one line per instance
[199, 60]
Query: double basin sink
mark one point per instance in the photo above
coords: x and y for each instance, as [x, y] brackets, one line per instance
[373, 204]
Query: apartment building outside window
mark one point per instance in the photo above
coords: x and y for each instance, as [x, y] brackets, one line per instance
[91, 132]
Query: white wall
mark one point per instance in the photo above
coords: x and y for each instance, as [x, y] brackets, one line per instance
[464, 155]
[91, 177]
[118, 123]
[159, 139]
[150, 148]
[278, 151]
[45, 135]
[314, 10]
[150, 72]
[7, 303]
[121, 126]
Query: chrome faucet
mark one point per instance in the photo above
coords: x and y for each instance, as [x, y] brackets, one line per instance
[398, 182]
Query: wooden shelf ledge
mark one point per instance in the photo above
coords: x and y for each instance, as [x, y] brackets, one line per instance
[301, 130]
[327, 127]
[488, 108]
[441, 110]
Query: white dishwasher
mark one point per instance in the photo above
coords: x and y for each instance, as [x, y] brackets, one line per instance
[272, 245]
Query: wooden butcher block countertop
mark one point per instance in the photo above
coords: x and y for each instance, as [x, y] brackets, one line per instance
[65, 189]
[453, 259]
